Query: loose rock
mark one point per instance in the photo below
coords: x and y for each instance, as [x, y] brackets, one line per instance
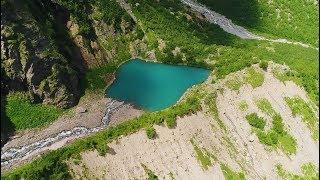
[80, 110]
[251, 138]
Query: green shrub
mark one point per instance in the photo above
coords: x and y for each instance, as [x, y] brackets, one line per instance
[277, 136]
[229, 174]
[263, 65]
[269, 139]
[273, 136]
[254, 77]
[287, 76]
[102, 148]
[234, 83]
[256, 121]
[305, 15]
[25, 114]
[151, 132]
[277, 123]
[202, 156]
[151, 175]
[288, 143]
[299, 107]
[265, 106]
[243, 105]
[211, 102]
[309, 171]
[170, 121]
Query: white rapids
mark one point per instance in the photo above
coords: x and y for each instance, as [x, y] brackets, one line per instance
[14, 154]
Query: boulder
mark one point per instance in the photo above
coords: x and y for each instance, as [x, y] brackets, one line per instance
[251, 138]
[80, 110]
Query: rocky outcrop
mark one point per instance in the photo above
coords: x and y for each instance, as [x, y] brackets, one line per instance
[92, 53]
[31, 60]
[47, 52]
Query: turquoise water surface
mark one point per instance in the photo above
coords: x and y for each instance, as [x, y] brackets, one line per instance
[153, 86]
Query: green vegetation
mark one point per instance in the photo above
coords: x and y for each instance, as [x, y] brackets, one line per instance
[288, 75]
[25, 114]
[299, 107]
[170, 121]
[204, 160]
[234, 83]
[102, 148]
[270, 138]
[231, 146]
[265, 106]
[229, 174]
[110, 13]
[44, 17]
[204, 157]
[309, 171]
[263, 65]
[296, 20]
[151, 132]
[256, 121]
[287, 143]
[76, 159]
[95, 77]
[53, 164]
[151, 175]
[277, 136]
[301, 60]
[226, 140]
[254, 77]
[210, 101]
[278, 125]
[243, 105]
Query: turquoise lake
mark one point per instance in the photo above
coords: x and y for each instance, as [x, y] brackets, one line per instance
[153, 86]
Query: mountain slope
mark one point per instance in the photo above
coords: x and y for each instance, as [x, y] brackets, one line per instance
[48, 44]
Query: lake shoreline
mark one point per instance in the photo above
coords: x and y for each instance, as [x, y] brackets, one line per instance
[162, 84]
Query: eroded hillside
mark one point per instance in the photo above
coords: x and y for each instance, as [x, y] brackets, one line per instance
[217, 140]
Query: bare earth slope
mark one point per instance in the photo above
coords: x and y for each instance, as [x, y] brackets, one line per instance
[172, 154]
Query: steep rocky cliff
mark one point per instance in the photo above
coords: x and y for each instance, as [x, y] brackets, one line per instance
[47, 46]
[31, 59]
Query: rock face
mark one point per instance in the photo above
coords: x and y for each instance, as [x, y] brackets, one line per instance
[31, 60]
[47, 45]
